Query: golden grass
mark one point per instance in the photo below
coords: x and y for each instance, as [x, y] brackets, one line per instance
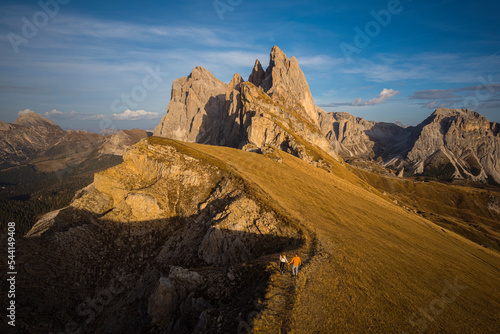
[376, 264]
[462, 209]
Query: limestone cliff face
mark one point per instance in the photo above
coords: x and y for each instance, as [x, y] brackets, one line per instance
[347, 133]
[274, 108]
[163, 236]
[269, 123]
[461, 139]
[356, 137]
[285, 83]
[450, 144]
[195, 108]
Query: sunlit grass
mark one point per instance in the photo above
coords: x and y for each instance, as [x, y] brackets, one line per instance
[376, 263]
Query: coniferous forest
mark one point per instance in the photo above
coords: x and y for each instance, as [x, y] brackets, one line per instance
[27, 194]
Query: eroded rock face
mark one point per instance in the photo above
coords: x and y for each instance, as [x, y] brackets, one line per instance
[450, 144]
[356, 137]
[274, 108]
[195, 108]
[268, 123]
[163, 242]
[463, 138]
[285, 83]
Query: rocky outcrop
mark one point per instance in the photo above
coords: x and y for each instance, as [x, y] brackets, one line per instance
[356, 137]
[347, 133]
[258, 74]
[165, 242]
[461, 141]
[274, 108]
[270, 124]
[450, 144]
[286, 84]
[117, 143]
[195, 109]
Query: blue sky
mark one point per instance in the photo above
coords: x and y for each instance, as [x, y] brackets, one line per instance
[110, 64]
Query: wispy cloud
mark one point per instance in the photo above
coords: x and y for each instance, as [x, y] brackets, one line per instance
[481, 94]
[319, 61]
[382, 97]
[23, 112]
[432, 94]
[127, 115]
[66, 25]
[56, 114]
[441, 67]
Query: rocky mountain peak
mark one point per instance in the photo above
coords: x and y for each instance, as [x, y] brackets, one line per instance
[285, 83]
[33, 119]
[441, 113]
[258, 74]
[201, 73]
[196, 105]
[272, 109]
[234, 84]
[461, 119]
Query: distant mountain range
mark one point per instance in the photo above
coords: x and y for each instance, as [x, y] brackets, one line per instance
[274, 108]
[33, 139]
[449, 144]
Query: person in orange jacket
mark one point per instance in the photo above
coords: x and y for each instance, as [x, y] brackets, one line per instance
[295, 262]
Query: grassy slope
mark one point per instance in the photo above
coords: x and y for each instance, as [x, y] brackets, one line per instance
[376, 263]
[459, 208]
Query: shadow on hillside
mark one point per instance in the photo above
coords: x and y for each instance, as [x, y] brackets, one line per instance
[390, 140]
[97, 275]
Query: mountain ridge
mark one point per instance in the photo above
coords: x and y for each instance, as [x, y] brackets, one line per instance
[449, 144]
[36, 139]
[275, 108]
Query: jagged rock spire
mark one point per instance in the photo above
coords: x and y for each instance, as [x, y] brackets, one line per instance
[285, 82]
[258, 74]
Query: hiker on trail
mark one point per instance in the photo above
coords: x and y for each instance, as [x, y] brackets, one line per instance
[295, 262]
[283, 261]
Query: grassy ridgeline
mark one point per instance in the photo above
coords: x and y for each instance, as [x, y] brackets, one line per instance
[377, 264]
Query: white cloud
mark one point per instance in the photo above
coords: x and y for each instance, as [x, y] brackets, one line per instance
[384, 95]
[127, 115]
[357, 102]
[25, 111]
[130, 115]
[59, 114]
